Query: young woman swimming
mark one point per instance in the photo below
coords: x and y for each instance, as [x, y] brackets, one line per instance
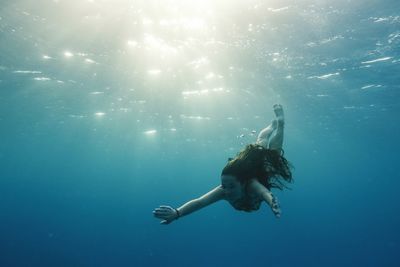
[247, 179]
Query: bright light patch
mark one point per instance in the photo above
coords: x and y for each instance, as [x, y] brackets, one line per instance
[154, 72]
[132, 43]
[100, 114]
[324, 77]
[202, 92]
[147, 21]
[376, 60]
[371, 86]
[185, 23]
[194, 23]
[154, 43]
[151, 40]
[278, 9]
[349, 107]
[46, 57]
[28, 71]
[210, 76]
[195, 92]
[198, 118]
[41, 79]
[89, 61]
[199, 62]
[150, 132]
[68, 54]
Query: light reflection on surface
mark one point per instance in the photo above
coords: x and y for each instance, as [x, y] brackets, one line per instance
[150, 132]
[42, 79]
[100, 114]
[179, 57]
[68, 54]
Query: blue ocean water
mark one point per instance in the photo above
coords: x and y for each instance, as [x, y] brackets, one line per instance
[111, 108]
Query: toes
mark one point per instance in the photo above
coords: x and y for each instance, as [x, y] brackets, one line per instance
[277, 106]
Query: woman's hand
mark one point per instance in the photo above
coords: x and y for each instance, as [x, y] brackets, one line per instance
[166, 213]
[275, 207]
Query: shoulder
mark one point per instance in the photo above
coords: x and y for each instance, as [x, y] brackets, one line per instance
[255, 187]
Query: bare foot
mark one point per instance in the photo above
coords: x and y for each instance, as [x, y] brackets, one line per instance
[278, 110]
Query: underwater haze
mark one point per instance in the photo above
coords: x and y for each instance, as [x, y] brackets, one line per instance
[110, 108]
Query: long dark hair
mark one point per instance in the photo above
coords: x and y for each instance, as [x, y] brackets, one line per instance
[269, 166]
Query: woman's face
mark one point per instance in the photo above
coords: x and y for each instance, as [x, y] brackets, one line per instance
[231, 187]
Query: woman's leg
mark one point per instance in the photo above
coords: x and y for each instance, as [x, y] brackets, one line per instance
[265, 134]
[276, 141]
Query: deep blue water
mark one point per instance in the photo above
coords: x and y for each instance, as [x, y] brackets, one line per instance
[111, 108]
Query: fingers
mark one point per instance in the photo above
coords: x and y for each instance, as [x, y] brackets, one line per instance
[275, 207]
[277, 212]
[160, 210]
[167, 214]
[163, 212]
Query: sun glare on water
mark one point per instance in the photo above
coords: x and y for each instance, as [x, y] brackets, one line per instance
[147, 59]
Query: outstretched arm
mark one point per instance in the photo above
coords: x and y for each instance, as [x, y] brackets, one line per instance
[266, 195]
[169, 214]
